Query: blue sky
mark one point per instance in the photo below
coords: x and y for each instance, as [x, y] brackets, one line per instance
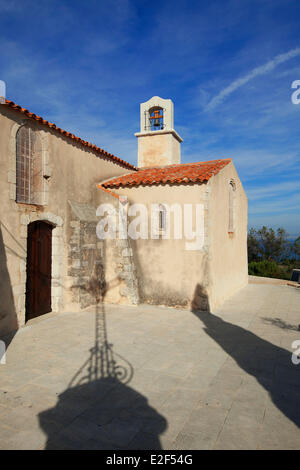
[228, 66]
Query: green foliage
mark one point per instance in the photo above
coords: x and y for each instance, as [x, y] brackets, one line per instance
[254, 250]
[270, 254]
[262, 268]
[296, 247]
[266, 243]
[268, 268]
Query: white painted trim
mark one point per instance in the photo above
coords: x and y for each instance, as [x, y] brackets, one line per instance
[161, 131]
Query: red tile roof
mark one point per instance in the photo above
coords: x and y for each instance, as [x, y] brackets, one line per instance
[99, 150]
[109, 192]
[172, 174]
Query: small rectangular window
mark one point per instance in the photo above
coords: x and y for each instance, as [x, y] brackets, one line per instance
[162, 219]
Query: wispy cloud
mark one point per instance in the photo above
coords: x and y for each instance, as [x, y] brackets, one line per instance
[261, 70]
[253, 163]
[274, 206]
[284, 189]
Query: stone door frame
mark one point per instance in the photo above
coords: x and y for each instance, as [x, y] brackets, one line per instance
[56, 260]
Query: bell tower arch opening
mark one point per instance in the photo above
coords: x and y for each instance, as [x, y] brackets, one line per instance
[155, 117]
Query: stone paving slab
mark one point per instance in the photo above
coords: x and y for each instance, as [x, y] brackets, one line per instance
[147, 377]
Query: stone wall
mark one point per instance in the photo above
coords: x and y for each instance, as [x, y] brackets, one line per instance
[169, 274]
[126, 272]
[70, 171]
[85, 251]
[120, 269]
[90, 258]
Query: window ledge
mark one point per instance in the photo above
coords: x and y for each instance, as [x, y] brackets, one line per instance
[30, 205]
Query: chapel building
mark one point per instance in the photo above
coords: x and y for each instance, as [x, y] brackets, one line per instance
[52, 185]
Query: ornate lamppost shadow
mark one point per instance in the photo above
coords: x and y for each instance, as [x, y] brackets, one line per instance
[98, 410]
[103, 362]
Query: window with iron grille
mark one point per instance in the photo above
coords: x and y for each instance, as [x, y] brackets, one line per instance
[28, 166]
[154, 119]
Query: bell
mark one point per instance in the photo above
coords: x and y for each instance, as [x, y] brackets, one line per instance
[156, 119]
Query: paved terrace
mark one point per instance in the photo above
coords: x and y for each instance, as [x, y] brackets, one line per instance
[157, 378]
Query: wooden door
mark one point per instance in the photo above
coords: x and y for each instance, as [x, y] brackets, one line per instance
[38, 285]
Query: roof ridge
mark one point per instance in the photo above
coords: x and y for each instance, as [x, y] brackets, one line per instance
[183, 164]
[85, 143]
[172, 174]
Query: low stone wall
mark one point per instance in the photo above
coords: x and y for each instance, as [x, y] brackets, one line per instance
[267, 280]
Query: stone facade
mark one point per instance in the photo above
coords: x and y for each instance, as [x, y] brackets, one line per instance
[120, 269]
[158, 148]
[70, 172]
[170, 274]
[86, 251]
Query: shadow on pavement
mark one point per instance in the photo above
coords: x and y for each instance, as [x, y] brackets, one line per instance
[271, 365]
[8, 315]
[280, 324]
[99, 410]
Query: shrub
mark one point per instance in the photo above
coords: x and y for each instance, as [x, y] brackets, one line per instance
[264, 268]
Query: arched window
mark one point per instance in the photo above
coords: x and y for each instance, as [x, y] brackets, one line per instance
[162, 218]
[28, 166]
[231, 220]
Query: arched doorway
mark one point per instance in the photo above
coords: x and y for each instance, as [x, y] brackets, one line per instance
[38, 283]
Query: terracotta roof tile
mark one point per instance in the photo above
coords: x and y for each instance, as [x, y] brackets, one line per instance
[85, 143]
[171, 174]
[109, 192]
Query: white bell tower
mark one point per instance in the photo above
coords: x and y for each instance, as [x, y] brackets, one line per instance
[158, 142]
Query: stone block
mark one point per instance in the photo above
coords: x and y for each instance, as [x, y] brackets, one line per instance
[126, 292]
[76, 263]
[22, 266]
[23, 231]
[56, 249]
[55, 270]
[55, 219]
[125, 275]
[127, 252]
[12, 176]
[12, 191]
[56, 291]
[25, 219]
[75, 224]
[21, 303]
[122, 243]
[19, 289]
[128, 267]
